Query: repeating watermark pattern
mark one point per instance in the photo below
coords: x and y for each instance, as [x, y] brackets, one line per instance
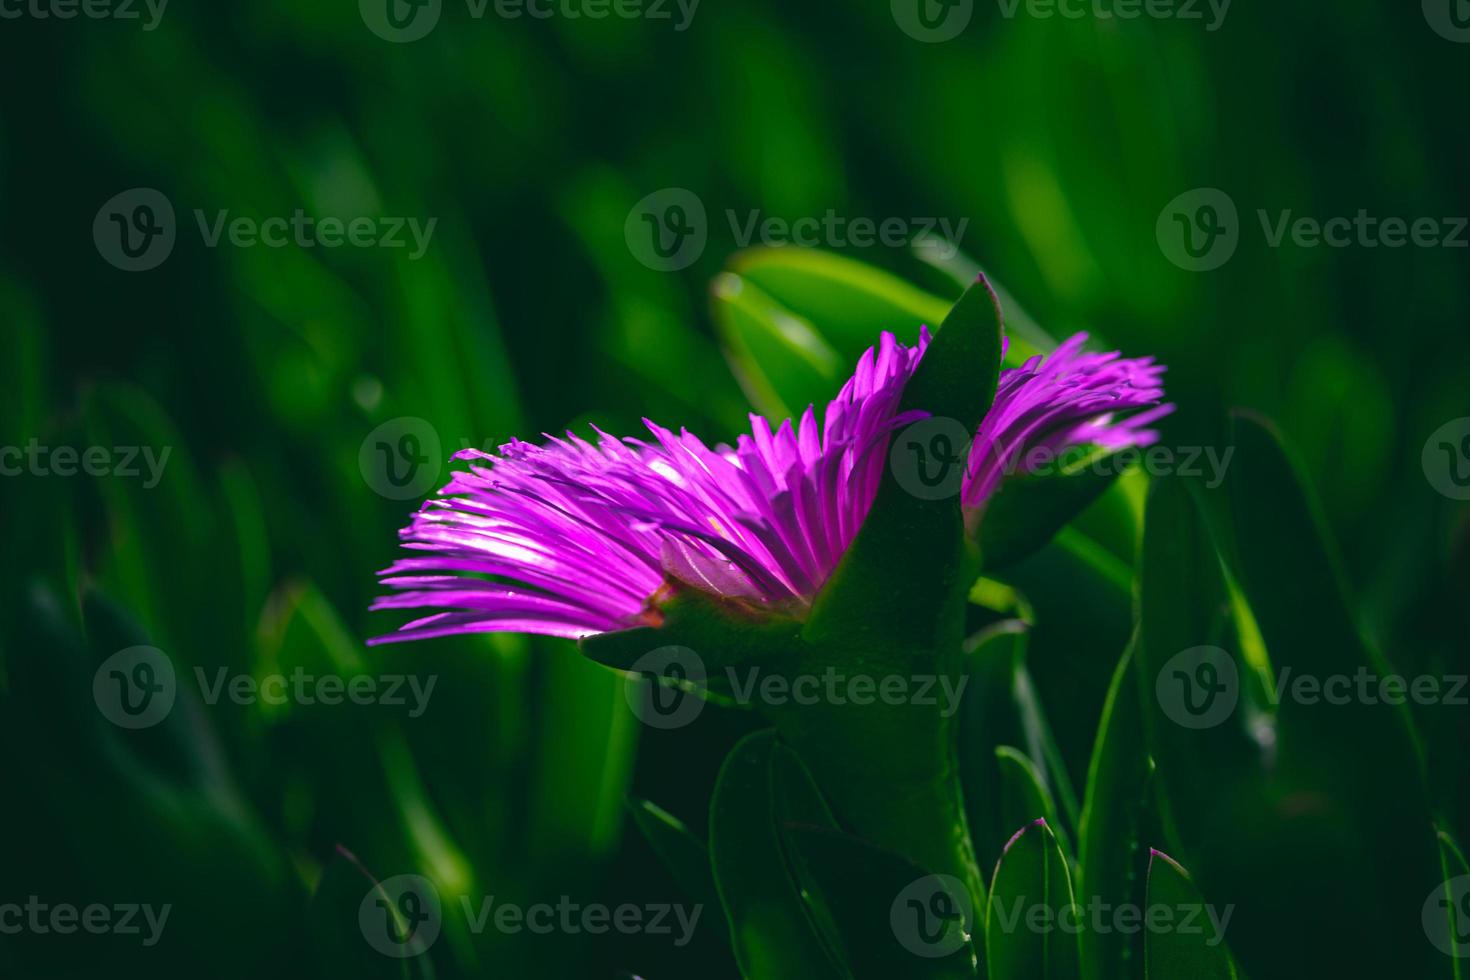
[1446, 459]
[1200, 230]
[669, 229]
[933, 916]
[1100, 917]
[671, 681]
[1446, 917]
[122, 462]
[137, 687]
[1200, 688]
[932, 458]
[932, 21]
[40, 918]
[1450, 19]
[147, 12]
[404, 915]
[402, 21]
[1210, 13]
[408, 691]
[136, 230]
[670, 690]
[401, 458]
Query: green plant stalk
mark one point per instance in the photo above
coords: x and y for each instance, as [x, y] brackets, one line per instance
[891, 774]
[890, 768]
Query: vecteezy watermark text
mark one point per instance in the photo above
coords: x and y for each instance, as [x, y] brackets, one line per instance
[933, 458]
[90, 9]
[1200, 688]
[673, 679]
[1211, 12]
[403, 916]
[116, 461]
[669, 229]
[1200, 230]
[401, 21]
[40, 918]
[136, 688]
[136, 230]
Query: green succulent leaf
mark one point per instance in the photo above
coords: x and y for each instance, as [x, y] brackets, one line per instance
[770, 930]
[1117, 785]
[1024, 797]
[1032, 921]
[685, 855]
[1030, 509]
[909, 566]
[865, 891]
[781, 361]
[1250, 798]
[1188, 945]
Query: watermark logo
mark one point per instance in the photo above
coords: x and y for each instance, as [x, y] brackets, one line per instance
[135, 230]
[1450, 19]
[930, 458]
[401, 458]
[932, 21]
[668, 693]
[1106, 918]
[1211, 12]
[135, 688]
[401, 917]
[932, 916]
[668, 229]
[1199, 687]
[1446, 917]
[1199, 230]
[400, 21]
[90, 9]
[1446, 459]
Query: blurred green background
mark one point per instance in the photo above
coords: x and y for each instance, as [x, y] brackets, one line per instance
[1059, 141]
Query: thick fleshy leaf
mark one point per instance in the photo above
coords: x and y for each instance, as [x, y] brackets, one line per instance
[1252, 801]
[866, 891]
[905, 574]
[1027, 337]
[989, 718]
[724, 633]
[1028, 510]
[1032, 921]
[847, 301]
[1117, 784]
[781, 361]
[686, 856]
[1188, 944]
[770, 931]
[1024, 797]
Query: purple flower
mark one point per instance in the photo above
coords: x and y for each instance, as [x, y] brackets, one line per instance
[572, 537]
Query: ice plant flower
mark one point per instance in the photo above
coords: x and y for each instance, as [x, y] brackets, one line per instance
[573, 537]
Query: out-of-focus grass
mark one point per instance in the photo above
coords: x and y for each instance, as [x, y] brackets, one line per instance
[264, 369]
